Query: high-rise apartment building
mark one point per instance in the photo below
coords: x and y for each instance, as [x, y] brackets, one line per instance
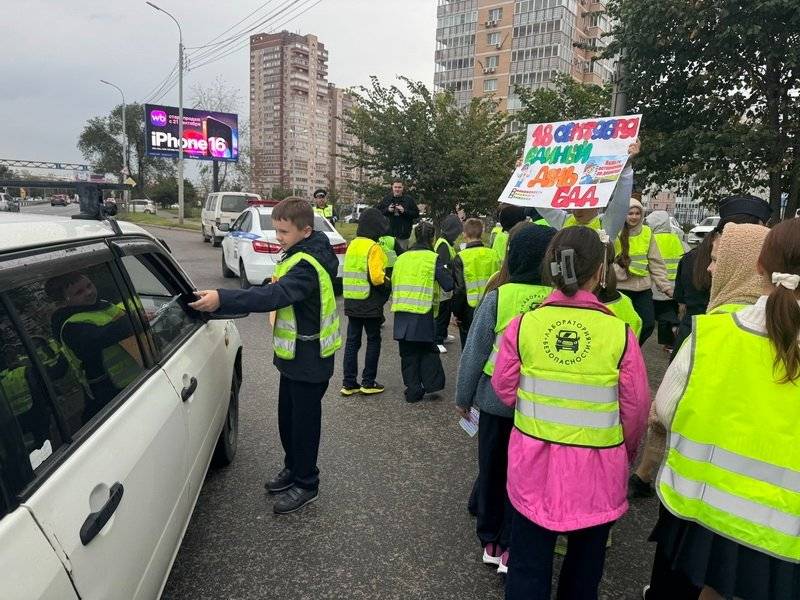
[340, 174]
[289, 113]
[489, 46]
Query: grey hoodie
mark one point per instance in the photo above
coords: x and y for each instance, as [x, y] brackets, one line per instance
[659, 222]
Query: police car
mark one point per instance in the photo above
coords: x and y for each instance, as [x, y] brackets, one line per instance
[250, 250]
[115, 397]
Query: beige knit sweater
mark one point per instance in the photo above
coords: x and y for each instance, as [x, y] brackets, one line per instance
[736, 279]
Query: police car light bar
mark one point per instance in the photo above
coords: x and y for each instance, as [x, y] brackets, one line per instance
[259, 202]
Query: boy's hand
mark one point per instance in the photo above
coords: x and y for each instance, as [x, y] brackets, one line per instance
[208, 302]
[634, 148]
[464, 412]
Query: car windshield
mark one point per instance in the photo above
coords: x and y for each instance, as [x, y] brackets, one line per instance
[320, 224]
[233, 203]
[710, 222]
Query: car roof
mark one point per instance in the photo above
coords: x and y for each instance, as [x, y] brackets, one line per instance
[25, 230]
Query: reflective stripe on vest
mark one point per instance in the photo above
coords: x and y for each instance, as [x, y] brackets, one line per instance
[571, 221]
[386, 242]
[736, 472]
[500, 244]
[119, 365]
[671, 249]
[355, 274]
[14, 386]
[443, 296]
[414, 287]
[623, 308]
[284, 333]
[569, 376]
[638, 249]
[513, 299]
[480, 263]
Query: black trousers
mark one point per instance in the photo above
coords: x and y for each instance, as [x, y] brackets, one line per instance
[299, 424]
[464, 324]
[666, 314]
[443, 320]
[493, 523]
[372, 327]
[530, 567]
[421, 368]
[643, 305]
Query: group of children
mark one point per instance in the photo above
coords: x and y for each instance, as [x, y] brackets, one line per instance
[562, 389]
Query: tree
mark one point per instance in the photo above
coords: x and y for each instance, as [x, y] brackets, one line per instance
[447, 155]
[219, 96]
[567, 99]
[6, 172]
[165, 192]
[100, 143]
[717, 83]
[279, 193]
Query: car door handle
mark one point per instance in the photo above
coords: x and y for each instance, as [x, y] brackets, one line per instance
[187, 392]
[95, 522]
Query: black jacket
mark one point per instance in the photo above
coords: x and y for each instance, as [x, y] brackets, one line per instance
[399, 225]
[461, 309]
[412, 327]
[371, 225]
[299, 288]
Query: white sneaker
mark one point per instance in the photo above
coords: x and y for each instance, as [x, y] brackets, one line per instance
[644, 591]
[449, 339]
[441, 349]
[502, 568]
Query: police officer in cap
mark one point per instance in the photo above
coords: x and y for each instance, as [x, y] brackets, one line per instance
[321, 206]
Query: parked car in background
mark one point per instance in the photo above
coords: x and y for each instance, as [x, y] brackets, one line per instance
[696, 234]
[143, 205]
[222, 208]
[99, 475]
[250, 250]
[8, 204]
[58, 200]
[355, 215]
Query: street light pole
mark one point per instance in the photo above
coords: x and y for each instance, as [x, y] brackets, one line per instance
[180, 110]
[125, 161]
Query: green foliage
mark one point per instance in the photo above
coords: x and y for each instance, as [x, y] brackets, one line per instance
[447, 156]
[279, 193]
[100, 143]
[716, 82]
[567, 99]
[165, 193]
[6, 172]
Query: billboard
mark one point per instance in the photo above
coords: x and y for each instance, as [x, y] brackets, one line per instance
[207, 135]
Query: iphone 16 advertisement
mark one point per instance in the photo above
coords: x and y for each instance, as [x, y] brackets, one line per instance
[207, 135]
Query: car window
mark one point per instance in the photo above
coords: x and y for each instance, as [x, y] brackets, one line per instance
[247, 222]
[233, 203]
[320, 224]
[237, 224]
[29, 426]
[81, 324]
[166, 317]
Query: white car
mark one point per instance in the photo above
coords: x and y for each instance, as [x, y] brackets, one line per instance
[219, 212]
[114, 399]
[250, 250]
[143, 206]
[696, 234]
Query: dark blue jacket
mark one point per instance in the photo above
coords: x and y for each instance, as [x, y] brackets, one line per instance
[300, 289]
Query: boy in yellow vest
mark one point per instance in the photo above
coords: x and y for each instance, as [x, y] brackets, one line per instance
[366, 289]
[449, 230]
[305, 337]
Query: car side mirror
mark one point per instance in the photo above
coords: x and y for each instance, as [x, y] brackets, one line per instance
[224, 227]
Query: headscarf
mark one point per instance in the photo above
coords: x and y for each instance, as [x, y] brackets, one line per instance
[736, 279]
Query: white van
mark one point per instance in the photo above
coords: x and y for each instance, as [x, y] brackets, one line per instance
[220, 210]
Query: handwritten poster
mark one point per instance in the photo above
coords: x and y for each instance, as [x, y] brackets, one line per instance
[572, 164]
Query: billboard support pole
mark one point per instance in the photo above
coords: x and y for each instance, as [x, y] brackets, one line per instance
[215, 175]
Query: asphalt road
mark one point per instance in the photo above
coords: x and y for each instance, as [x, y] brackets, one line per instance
[391, 519]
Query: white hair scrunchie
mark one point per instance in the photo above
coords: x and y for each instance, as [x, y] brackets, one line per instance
[787, 280]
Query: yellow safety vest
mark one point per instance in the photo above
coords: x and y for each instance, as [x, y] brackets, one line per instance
[638, 249]
[623, 308]
[728, 308]
[284, 333]
[444, 296]
[733, 460]
[480, 263]
[493, 234]
[326, 212]
[414, 287]
[386, 242]
[500, 244]
[14, 386]
[355, 276]
[671, 249]
[513, 299]
[595, 223]
[569, 376]
[119, 365]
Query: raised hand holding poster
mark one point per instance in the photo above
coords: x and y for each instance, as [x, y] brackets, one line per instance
[572, 164]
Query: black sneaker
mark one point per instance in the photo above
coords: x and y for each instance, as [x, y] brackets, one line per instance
[349, 390]
[372, 388]
[294, 499]
[638, 488]
[282, 481]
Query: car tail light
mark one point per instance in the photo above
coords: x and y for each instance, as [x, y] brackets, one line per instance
[266, 247]
[340, 248]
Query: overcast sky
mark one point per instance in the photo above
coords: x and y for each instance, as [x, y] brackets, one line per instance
[56, 51]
